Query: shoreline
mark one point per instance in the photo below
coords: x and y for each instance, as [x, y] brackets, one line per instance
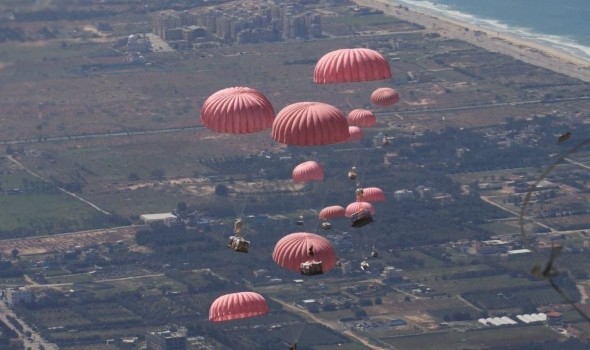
[522, 49]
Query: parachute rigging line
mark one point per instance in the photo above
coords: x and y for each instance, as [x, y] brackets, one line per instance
[550, 271]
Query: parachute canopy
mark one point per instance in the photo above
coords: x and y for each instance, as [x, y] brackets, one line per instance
[308, 171]
[363, 118]
[292, 250]
[351, 65]
[355, 207]
[355, 132]
[235, 306]
[237, 110]
[309, 124]
[372, 194]
[334, 211]
[385, 97]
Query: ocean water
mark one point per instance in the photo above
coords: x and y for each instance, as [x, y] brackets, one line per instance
[564, 24]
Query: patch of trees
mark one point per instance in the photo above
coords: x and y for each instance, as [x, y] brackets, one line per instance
[11, 34]
[47, 15]
[15, 323]
[159, 234]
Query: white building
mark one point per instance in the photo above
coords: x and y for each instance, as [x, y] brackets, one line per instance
[392, 273]
[165, 218]
[18, 295]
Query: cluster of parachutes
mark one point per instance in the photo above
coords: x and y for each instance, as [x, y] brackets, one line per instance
[243, 110]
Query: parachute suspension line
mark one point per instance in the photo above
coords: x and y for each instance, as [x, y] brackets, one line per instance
[548, 272]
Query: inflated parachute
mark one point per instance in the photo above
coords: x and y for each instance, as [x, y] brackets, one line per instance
[310, 124]
[356, 207]
[293, 250]
[333, 211]
[236, 306]
[372, 194]
[351, 65]
[308, 171]
[237, 110]
[363, 118]
[356, 134]
[385, 97]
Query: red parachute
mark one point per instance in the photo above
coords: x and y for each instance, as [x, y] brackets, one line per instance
[293, 250]
[351, 65]
[309, 124]
[334, 211]
[237, 110]
[385, 97]
[372, 194]
[308, 171]
[235, 306]
[363, 118]
[356, 207]
[356, 133]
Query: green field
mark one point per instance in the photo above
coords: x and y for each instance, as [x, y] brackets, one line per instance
[44, 213]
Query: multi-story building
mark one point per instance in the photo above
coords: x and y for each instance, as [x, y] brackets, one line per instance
[172, 339]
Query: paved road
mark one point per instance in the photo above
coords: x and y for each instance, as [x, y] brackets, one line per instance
[330, 325]
[35, 340]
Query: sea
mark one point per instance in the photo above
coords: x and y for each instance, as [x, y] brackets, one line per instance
[563, 24]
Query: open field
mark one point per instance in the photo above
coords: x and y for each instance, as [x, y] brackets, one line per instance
[479, 339]
[45, 244]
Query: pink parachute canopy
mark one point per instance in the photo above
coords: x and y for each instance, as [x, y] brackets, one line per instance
[363, 118]
[355, 132]
[309, 124]
[237, 110]
[355, 207]
[236, 306]
[308, 171]
[385, 97]
[292, 250]
[372, 194]
[351, 65]
[334, 211]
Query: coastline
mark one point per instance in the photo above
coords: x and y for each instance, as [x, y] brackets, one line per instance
[526, 50]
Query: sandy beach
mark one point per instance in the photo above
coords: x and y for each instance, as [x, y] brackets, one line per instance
[522, 49]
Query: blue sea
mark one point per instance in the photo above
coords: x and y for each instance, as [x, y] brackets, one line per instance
[564, 24]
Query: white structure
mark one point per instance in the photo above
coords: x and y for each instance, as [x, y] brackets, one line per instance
[19, 295]
[138, 43]
[497, 321]
[390, 272]
[518, 251]
[165, 218]
[532, 318]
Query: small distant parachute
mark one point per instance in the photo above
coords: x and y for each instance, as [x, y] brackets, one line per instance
[356, 207]
[236, 306]
[237, 110]
[356, 134]
[308, 171]
[363, 118]
[331, 212]
[385, 97]
[310, 124]
[293, 250]
[351, 65]
[372, 194]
